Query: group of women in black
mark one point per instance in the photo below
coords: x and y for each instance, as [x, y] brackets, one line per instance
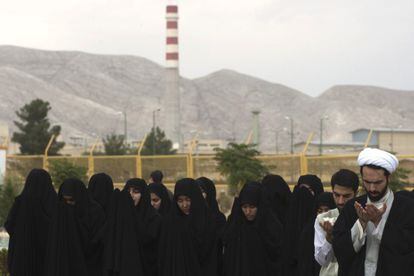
[141, 230]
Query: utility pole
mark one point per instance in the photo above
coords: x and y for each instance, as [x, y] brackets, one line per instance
[277, 141]
[291, 133]
[125, 127]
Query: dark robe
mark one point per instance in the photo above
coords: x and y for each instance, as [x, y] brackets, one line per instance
[278, 194]
[28, 225]
[220, 220]
[122, 254]
[72, 246]
[162, 192]
[100, 188]
[252, 248]
[301, 212]
[307, 265]
[148, 223]
[186, 246]
[396, 252]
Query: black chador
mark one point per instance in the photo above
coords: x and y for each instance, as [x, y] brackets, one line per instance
[301, 212]
[187, 242]
[209, 190]
[278, 194]
[122, 254]
[252, 244]
[100, 188]
[28, 225]
[72, 246]
[148, 223]
[307, 265]
[396, 251]
[162, 192]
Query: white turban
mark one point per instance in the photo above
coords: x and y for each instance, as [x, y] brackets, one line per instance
[378, 158]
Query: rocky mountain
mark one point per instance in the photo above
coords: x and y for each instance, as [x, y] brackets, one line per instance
[88, 94]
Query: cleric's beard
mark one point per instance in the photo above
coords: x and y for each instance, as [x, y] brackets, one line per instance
[375, 198]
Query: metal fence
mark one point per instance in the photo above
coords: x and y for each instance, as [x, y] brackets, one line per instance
[174, 167]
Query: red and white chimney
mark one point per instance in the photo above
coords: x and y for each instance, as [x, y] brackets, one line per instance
[172, 57]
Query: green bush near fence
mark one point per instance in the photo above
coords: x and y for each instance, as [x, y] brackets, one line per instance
[3, 262]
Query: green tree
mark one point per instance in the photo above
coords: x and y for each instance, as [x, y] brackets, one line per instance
[35, 130]
[60, 170]
[239, 164]
[156, 143]
[115, 144]
[8, 192]
[399, 179]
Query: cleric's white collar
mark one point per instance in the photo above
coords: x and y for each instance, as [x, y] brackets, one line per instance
[383, 200]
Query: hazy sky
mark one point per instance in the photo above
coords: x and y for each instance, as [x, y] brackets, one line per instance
[309, 45]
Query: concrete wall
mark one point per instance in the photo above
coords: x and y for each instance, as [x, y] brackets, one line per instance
[398, 142]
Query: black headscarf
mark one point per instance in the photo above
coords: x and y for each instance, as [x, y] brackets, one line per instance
[187, 241]
[161, 191]
[144, 207]
[122, 255]
[252, 248]
[100, 188]
[148, 223]
[325, 199]
[302, 210]
[278, 194]
[72, 245]
[313, 181]
[28, 224]
[208, 187]
[157, 176]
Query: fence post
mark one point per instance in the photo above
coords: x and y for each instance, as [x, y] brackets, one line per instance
[45, 161]
[138, 158]
[190, 160]
[303, 158]
[91, 161]
[368, 138]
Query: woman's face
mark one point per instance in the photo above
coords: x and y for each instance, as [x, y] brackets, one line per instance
[249, 211]
[203, 192]
[184, 203]
[155, 201]
[135, 194]
[69, 200]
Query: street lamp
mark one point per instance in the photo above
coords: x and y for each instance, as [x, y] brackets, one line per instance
[153, 129]
[321, 135]
[125, 125]
[277, 141]
[291, 133]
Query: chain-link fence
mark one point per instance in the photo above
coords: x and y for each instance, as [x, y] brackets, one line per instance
[174, 167]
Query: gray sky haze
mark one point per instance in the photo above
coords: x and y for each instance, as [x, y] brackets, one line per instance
[307, 45]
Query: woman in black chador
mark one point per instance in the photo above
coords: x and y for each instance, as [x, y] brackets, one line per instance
[73, 248]
[208, 191]
[100, 188]
[187, 243]
[278, 194]
[122, 254]
[307, 265]
[253, 236]
[28, 225]
[148, 223]
[301, 212]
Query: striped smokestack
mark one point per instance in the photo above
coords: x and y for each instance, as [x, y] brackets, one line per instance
[172, 79]
[172, 37]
